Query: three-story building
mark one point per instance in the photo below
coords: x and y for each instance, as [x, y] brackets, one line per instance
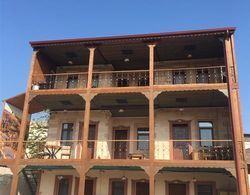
[138, 114]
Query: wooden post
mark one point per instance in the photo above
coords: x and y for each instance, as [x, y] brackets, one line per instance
[91, 64]
[87, 105]
[151, 183]
[239, 153]
[14, 182]
[81, 184]
[23, 127]
[151, 102]
[151, 65]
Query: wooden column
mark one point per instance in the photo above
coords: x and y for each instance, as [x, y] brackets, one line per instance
[151, 120]
[91, 64]
[151, 183]
[151, 102]
[23, 127]
[237, 132]
[87, 105]
[81, 184]
[14, 182]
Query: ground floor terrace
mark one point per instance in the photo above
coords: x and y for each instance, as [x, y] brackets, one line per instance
[130, 180]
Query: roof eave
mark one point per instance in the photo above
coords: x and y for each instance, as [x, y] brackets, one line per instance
[35, 44]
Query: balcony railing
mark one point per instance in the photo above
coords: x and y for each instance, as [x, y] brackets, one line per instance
[118, 149]
[175, 76]
[130, 78]
[122, 149]
[194, 150]
[120, 78]
[60, 149]
[59, 81]
[8, 149]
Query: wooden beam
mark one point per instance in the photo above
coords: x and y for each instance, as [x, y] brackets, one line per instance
[87, 105]
[91, 64]
[240, 162]
[151, 102]
[23, 126]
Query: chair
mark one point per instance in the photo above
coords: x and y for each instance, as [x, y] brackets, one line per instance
[66, 151]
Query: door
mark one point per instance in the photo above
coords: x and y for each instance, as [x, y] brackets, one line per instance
[180, 148]
[92, 140]
[141, 188]
[120, 147]
[117, 187]
[89, 186]
[177, 189]
[63, 185]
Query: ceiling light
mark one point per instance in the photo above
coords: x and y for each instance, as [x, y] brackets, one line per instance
[70, 62]
[60, 177]
[181, 109]
[126, 60]
[189, 56]
[124, 178]
[120, 110]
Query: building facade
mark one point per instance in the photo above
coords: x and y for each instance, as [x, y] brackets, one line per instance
[138, 114]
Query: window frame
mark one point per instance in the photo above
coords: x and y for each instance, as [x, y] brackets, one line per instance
[118, 179]
[212, 183]
[206, 128]
[74, 79]
[137, 138]
[57, 181]
[62, 130]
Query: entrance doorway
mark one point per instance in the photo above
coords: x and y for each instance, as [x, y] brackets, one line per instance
[120, 144]
[177, 189]
[140, 187]
[180, 136]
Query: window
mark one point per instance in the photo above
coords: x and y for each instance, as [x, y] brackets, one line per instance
[206, 133]
[72, 81]
[63, 185]
[202, 76]
[67, 133]
[204, 189]
[143, 134]
[95, 80]
[122, 82]
[117, 187]
[179, 77]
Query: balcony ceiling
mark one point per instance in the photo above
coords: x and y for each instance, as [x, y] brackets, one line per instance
[209, 98]
[136, 51]
[125, 105]
[60, 102]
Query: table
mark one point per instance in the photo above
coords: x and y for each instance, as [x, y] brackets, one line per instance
[51, 151]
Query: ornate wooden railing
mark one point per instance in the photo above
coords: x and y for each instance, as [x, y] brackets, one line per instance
[59, 81]
[58, 149]
[194, 150]
[126, 78]
[130, 78]
[175, 76]
[121, 149]
[118, 149]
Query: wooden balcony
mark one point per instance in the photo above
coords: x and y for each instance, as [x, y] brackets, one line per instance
[130, 78]
[177, 150]
[57, 149]
[198, 75]
[59, 81]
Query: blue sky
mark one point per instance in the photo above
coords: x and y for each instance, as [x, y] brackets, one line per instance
[23, 21]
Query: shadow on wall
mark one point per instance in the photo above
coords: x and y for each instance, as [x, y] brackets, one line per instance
[5, 183]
